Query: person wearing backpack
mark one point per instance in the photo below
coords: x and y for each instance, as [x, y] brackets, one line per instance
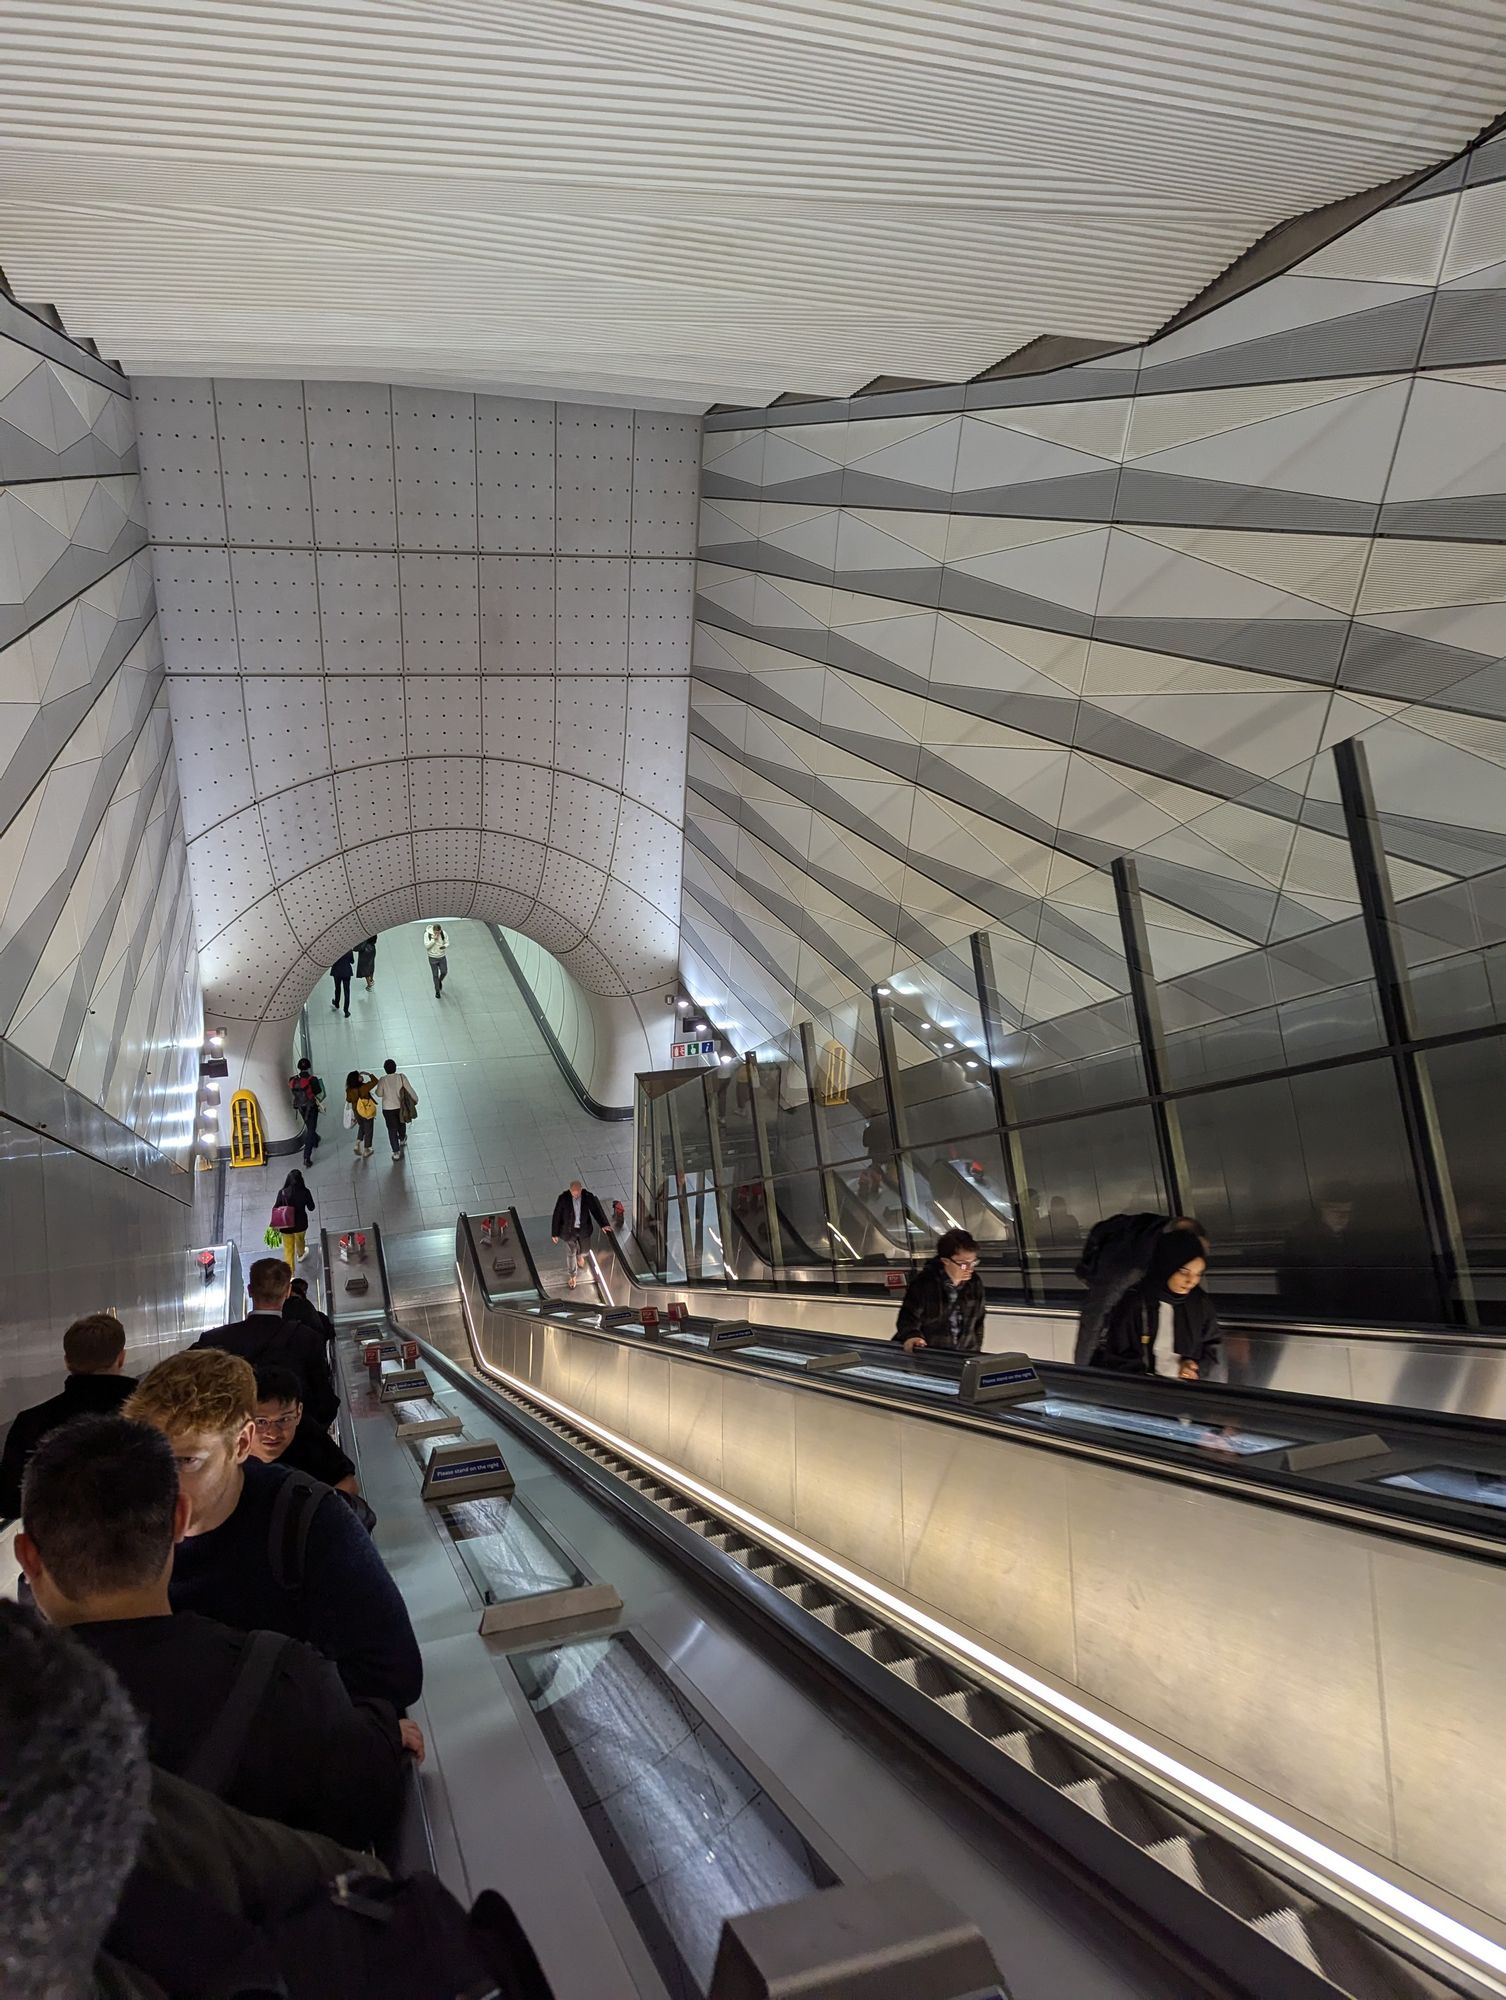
[268, 1549]
[360, 1095]
[268, 1337]
[307, 1093]
[290, 1215]
[1117, 1255]
[256, 1718]
[123, 1880]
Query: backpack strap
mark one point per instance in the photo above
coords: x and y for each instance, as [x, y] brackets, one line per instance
[217, 1758]
[299, 1498]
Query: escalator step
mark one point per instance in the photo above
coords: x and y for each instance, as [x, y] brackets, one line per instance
[1176, 1854]
[928, 1675]
[1356, 1964]
[980, 1711]
[1046, 1755]
[1118, 1805]
[1287, 1928]
[1231, 1880]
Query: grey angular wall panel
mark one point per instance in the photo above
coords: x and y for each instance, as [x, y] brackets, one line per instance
[97, 968]
[1148, 594]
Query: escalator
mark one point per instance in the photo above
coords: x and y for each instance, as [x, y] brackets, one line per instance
[1220, 1652]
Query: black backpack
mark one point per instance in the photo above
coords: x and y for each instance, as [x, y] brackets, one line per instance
[359, 1937]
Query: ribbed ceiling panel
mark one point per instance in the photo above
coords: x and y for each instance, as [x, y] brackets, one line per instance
[681, 203]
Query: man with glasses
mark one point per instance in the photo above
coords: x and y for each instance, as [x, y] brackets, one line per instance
[285, 1436]
[944, 1304]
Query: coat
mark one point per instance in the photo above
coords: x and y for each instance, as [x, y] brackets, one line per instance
[366, 959]
[343, 966]
[923, 1311]
[1129, 1334]
[562, 1223]
[267, 1339]
[1115, 1258]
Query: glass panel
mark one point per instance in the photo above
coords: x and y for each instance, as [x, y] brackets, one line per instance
[1305, 1187]
[940, 1058]
[962, 1185]
[784, 1103]
[689, 1835]
[1168, 1429]
[802, 1224]
[868, 1225]
[1082, 1170]
[1451, 1482]
[1080, 1059]
[850, 1100]
[1469, 1087]
[506, 1551]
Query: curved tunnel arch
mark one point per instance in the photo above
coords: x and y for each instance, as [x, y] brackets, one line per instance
[428, 653]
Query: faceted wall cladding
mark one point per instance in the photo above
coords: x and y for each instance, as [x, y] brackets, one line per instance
[427, 654]
[958, 648]
[98, 973]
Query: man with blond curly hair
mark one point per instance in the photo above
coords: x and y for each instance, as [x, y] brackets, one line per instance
[266, 1549]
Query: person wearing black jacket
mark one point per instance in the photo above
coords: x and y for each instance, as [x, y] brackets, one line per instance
[576, 1214]
[1166, 1324]
[100, 1515]
[299, 1306]
[1115, 1258]
[944, 1303]
[265, 1337]
[340, 972]
[366, 961]
[94, 1354]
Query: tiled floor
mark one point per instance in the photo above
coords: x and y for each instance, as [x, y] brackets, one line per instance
[497, 1123]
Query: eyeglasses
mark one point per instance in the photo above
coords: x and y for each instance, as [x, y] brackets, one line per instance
[964, 1263]
[274, 1426]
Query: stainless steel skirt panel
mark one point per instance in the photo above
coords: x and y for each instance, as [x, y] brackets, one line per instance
[1357, 1681]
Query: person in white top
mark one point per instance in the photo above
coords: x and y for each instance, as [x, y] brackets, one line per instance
[437, 945]
[390, 1088]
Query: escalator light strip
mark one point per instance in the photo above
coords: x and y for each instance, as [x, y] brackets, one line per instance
[1436, 1924]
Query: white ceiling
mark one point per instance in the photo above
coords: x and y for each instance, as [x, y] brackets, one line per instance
[676, 202]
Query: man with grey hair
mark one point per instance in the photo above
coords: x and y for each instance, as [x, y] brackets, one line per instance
[74, 1801]
[576, 1214]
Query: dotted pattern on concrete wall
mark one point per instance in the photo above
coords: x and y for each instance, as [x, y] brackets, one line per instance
[517, 614]
[391, 617]
[351, 465]
[197, 608]
[264, 464]
[360, 611]
[446, 792]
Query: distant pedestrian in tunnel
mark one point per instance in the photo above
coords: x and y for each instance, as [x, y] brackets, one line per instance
[437, 945]
[399, 1102]
[360, 1095]
[290, 1215]
[307, 1093]
[576, 1214]
[366, 961]
[340, 972]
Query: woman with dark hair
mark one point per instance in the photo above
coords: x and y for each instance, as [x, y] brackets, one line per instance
[1167, 1324]
[360, 1095]
[290, 1215]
